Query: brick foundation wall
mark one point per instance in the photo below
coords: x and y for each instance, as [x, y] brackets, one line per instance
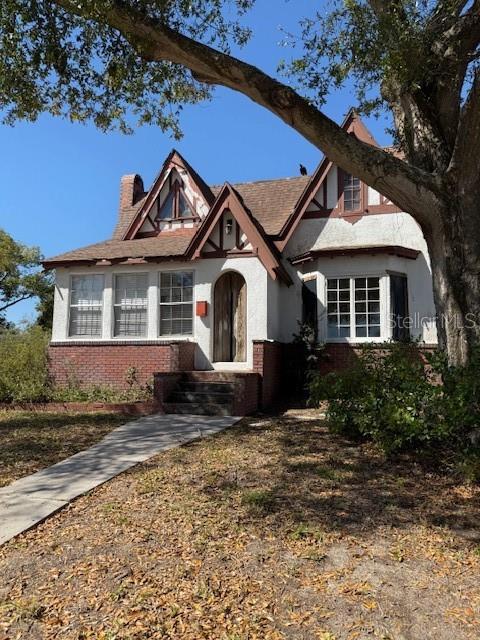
[282, 366]
[268, 362]
[107, 363]
[247, 392]
[337, 357]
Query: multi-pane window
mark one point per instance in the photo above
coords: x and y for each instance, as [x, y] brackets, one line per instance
[130, 304]
[338, 307]
[353, 308]
[86, 301]
[176, 303]
[351, 192]
[367, 307]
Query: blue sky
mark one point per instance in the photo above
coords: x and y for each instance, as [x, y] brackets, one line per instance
[59, 181]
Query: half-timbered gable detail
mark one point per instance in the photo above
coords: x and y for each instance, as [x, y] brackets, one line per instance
[179, 199]
[230, 230]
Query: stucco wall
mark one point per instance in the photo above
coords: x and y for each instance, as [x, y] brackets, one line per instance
[206, 272]
[386, 229]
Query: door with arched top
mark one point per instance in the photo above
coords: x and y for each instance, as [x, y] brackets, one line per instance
[230, 318]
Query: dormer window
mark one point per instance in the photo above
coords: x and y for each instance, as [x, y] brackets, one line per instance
[351, 193]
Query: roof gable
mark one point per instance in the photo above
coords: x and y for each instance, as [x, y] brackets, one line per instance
[190, 189]
[353, 125]
[228, 200]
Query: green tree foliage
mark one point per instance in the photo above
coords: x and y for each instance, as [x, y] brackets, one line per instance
[21, 277]
[52, 60]
[23, 365]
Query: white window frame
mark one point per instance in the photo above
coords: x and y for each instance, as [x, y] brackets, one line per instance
[176, 336]
[70, 305]
[385, 328]
[114, 305]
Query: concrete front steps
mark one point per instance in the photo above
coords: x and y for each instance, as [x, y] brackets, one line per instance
[212, 393]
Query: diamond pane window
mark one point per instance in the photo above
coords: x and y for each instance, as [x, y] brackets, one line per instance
[86, 301]
[351, 192]
[176, 303]
[130, 305]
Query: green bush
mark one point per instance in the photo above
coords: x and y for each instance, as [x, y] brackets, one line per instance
[23, 366]
[400, 404]
[389, 399]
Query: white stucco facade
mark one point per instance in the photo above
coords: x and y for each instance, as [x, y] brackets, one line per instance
[273, 309]
[205, 274]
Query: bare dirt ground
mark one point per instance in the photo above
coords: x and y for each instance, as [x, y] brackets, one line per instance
[274, 529]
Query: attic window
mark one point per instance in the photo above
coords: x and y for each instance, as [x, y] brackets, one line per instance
[351, 192]
[175, 205]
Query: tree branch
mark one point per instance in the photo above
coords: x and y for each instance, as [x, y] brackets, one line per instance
[409, 187]
[465, 163]
[16, 301]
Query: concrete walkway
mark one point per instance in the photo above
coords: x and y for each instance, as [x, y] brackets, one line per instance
[30, 500]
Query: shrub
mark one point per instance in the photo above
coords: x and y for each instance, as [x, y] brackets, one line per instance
[23, 366]
[400, 404]
[389, 398]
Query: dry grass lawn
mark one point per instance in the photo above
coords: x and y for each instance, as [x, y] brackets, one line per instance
[30, 441]
[272, 530]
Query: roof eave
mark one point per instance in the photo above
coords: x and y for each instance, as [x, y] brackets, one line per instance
[333, 252]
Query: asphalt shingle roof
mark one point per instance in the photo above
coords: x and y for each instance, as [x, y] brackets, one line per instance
[270, 202]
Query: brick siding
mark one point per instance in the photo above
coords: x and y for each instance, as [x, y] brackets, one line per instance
[268, 362]
[108, 364]
[337, 357]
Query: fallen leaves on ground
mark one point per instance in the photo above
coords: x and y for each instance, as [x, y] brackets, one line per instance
[272, 530]
[30, 441]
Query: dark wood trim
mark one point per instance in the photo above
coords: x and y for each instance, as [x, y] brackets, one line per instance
[392, 250]
[229, 254]
[174, 159]
[227, 200]
[320, 213]
[213, 244]
[353, 125]
[221, 230]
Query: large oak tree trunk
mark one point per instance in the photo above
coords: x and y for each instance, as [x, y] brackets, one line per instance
[454, 247]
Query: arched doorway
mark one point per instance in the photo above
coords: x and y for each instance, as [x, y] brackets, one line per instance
[230, 318]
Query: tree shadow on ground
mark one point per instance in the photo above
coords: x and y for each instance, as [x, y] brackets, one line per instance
[32, 441]
[343, 484]
[312, 476]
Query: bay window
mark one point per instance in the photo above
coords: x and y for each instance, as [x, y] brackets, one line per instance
[130, 305]
[86, 303]
[176, 303]
[358, 308]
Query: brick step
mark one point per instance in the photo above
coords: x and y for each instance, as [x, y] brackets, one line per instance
[203, 395]
[197, 408]
[206, 387]
[213, 376]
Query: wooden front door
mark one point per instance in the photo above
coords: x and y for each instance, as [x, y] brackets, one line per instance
[230, 319]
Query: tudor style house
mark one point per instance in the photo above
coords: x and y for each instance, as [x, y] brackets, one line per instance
[203, 285]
